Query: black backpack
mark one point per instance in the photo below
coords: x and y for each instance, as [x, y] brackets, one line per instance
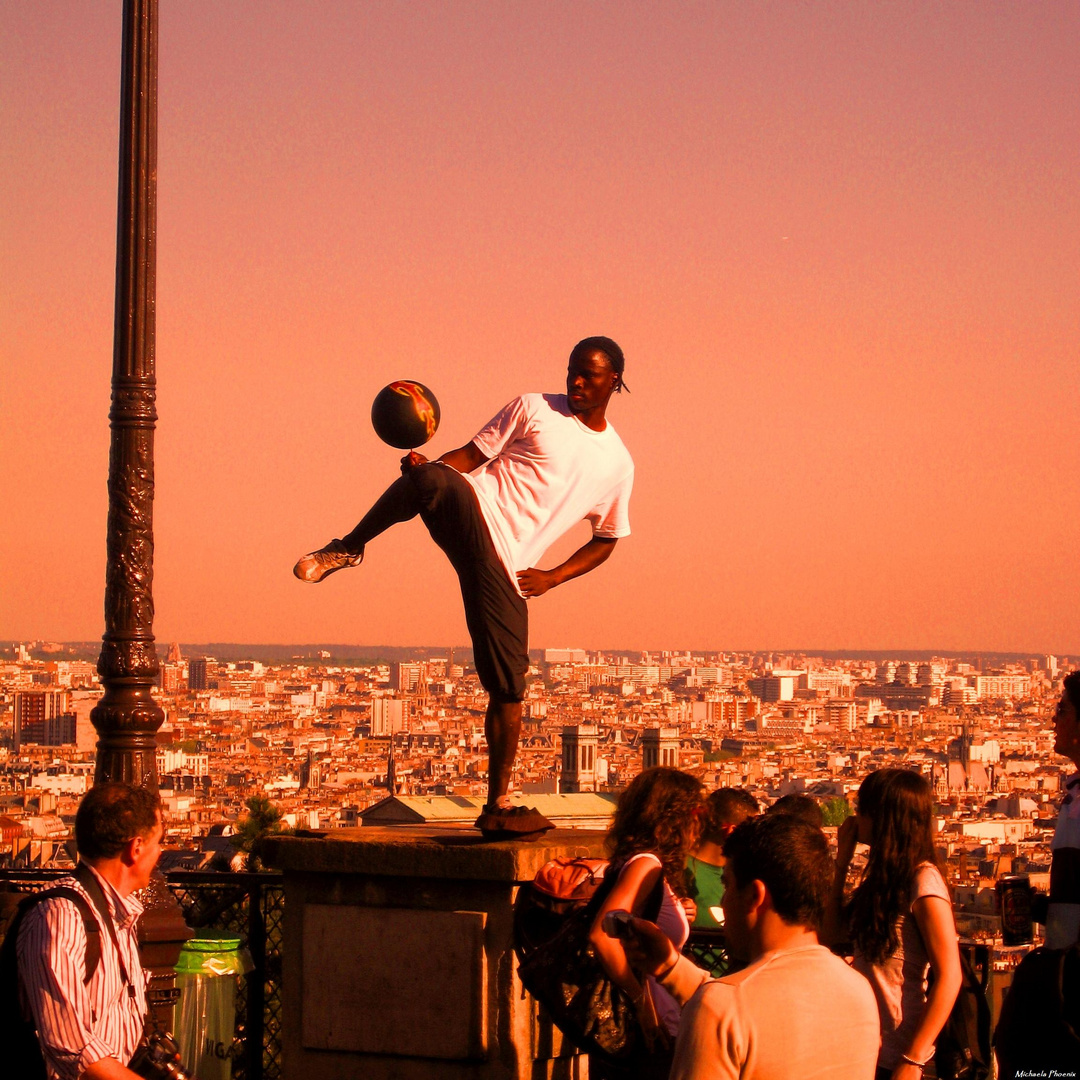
[1038, 1032]
[18, 1037]
[962, 1049]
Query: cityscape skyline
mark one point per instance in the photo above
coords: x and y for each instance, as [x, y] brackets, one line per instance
[355, 652]
[834, 241]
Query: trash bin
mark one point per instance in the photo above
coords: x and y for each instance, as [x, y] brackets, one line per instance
[206, 977]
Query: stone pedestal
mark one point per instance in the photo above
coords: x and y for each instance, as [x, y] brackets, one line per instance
[399, 962]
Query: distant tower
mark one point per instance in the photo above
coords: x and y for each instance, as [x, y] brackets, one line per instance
[197, 674]
[960, 748]
[310, 773]
[174, 656]
[660, 746]
[579, 742]
[391, 770]
[40, 716]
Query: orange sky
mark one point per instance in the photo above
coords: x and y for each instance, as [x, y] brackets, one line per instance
[839, 243]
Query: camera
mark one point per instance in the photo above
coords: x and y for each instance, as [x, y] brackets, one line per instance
[158, 1058]
[616, 924]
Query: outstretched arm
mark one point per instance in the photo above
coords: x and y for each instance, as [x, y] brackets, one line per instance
[464, 458]
[535, 582]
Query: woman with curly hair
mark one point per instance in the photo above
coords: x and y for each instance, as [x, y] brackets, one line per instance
[900, 917]
[656, 823]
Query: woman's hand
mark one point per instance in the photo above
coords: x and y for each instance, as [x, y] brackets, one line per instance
[847, 836]
[689, 905]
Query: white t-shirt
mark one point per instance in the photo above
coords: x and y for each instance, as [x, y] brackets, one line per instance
[900, 982]
[548, 471]
[793, 1014]
[1063, 917]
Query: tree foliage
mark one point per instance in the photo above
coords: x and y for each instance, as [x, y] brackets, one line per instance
[836, 810]
[263, 820]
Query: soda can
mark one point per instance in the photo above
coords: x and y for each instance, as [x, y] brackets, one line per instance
[1014, 902]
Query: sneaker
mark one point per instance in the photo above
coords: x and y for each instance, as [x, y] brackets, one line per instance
[498, 822]
[327, 560]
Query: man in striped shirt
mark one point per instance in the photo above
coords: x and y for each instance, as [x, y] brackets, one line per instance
[92, 1029]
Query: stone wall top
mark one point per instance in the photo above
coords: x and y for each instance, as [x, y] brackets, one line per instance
[429, 852]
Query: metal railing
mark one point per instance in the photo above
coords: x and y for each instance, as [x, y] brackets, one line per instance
[248, 906]
[707, 949]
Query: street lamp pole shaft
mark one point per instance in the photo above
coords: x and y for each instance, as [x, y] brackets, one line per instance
[127, 717]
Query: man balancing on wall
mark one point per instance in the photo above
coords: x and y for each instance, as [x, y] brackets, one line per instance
[494, 506]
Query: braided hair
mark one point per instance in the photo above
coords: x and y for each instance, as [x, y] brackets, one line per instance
[611, 350]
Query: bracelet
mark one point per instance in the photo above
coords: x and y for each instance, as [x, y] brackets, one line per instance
[920, 1065]
[658, 976]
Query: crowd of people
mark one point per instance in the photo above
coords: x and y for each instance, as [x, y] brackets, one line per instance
[786, 1005]
[828, 974]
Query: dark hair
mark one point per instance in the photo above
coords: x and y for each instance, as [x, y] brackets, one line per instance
[611, 350]
[110, 815]
[790, 858]
[655, 813]
[1070, 685]
[725, 808]
[804, 807]
[900, 806]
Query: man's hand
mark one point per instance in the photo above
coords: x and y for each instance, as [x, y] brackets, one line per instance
[411, 460]
[533, 582]
[647, 947]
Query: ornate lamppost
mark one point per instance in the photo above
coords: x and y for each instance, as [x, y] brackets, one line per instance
[127, 717]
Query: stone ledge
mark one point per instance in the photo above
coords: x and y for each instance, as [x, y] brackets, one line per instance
[428, 852]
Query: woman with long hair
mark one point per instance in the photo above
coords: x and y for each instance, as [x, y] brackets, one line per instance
[656, 822]
[900, 917]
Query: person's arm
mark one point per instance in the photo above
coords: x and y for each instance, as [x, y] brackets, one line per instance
[464, 458]
[935, 920]
[713, 1038]
[833, 932]
[534, 582]
[109, 1069]
[651, 950]
[630, 893]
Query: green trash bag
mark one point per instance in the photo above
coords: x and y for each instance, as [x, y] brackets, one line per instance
[206, 978]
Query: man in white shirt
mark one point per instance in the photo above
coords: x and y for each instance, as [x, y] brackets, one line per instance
[544, 463]
[92, 1029]
[797, 1012]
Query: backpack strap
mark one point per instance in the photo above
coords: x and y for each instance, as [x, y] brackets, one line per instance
[88, 880]
[653, 902]
[90, 923]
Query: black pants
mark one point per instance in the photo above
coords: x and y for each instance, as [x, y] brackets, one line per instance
[495, 612]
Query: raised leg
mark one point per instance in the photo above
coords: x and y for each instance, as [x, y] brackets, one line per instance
[399, 502]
